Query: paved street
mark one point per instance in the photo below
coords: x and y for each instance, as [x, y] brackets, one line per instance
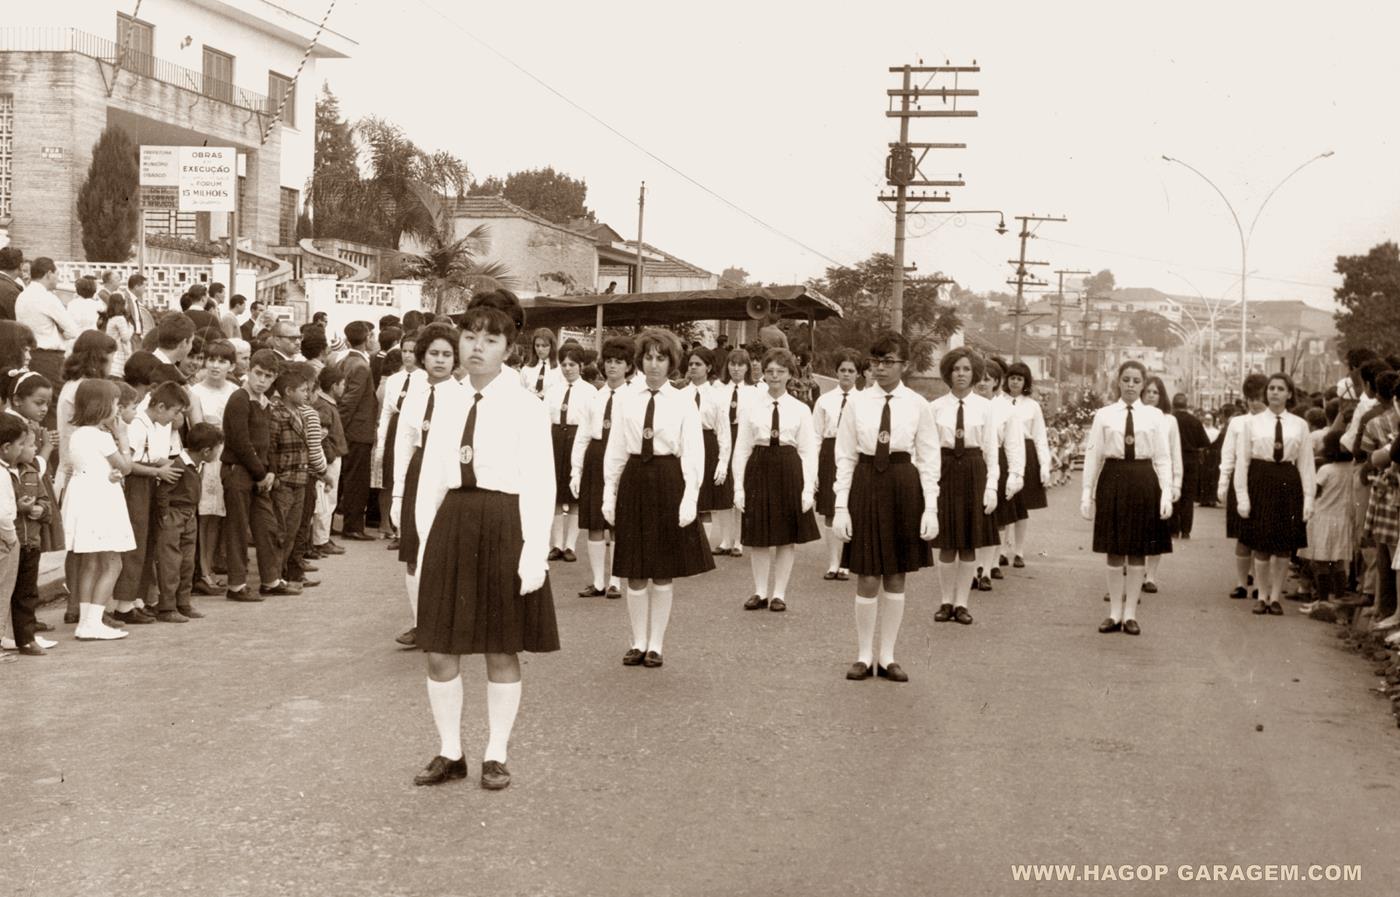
[269, 749]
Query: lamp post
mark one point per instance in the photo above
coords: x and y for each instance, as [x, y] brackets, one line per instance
[1245, 238]
[1197, 351]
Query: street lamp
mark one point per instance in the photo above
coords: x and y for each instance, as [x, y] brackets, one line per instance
[1245, 237]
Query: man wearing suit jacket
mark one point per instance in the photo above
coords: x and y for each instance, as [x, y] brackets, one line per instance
[359, 412]
[1194, 443]
[10, 285]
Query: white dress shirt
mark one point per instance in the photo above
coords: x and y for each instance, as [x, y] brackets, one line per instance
[150, 442]
[714, 416]
[979, 429]
[912, 430]
[1229, 452]
[511, 454]
[1105, 441]
[1256, 444]
[1032, 419]
[84, 312]
[395, 387]
[676, 431]
[794, 429]
[1364, 404]
[46, 317]
[1172, 431]
[828, 411]
[529, 376]
[1010, 439]
[408, 435]
[580, 394]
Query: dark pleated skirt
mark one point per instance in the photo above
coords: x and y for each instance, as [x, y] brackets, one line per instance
[386, 460]
[711, 498]
[469, 599]
[773, 512]
[408, 517]
[1032, 495]
[1127, 520]
[826, 478]
[590, 488]
[1009, 510]
[563, 461]
[886, 509]
[962, 523]
[1275, 523]
[1233, 523]
[724, 495]
[648, 540]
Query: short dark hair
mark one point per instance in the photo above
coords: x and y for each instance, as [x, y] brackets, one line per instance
[1357, 357]
[1288, 381]
[94, 402]
[313, 343]
[703, 354]
[198, 290]
[331, 374]
[425, 338]
[890, 343]
[356, 332]
[173, 330]
[266, 359]
[135, 281]
[237, 300]
[575, 353]
[216, 289]
[497, 312]
[841, 356]
[1385, 385]
[389, 337]
[780, 356]
[1022, 370]
[619, 348]
[737, 356]
[140, 367]
[12, 428]
[170, 394]
[86, 287]
[221, 349]
[387, 321]
[42, 266]
[1180, 402]
[953, 356]
[11, 258]
[1253, 387]
[1372, 369]
[203, 436]
[663, 341]
[294, 375]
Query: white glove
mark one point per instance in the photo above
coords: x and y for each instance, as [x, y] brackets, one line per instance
[1014, 484]
[396, 510]
[1243, 509]
[610, 512]
[720, 473]
[1307, 511]
[1220, 496]
[841, 523]
[989, 501]
[928, 526]
[1165, 506]
[1086, 508]
[531, 574]
[687, 513]
[1176, 494]
[738, 501]
[575, 482]
[1044, 476]
[808, 503]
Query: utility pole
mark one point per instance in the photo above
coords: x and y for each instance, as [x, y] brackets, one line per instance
[641, 260]
[1059, 310]
[902, 168]
[1022, 279]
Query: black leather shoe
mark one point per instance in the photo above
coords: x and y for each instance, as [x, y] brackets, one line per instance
[1260, 608]
[70, 616]
[962, 616]
[440, 769]
[1018, 562]
[281, 588]
[944, 614]
[393, 545]
[554, 554]
[985, 584]
[31, 649]
[357, 537]
[1239, 592]
[777, 605]
[569, 556]
[859, 670]
[1275, 608]
[976, 583]
[1150, 588]
[408, 638]
[192, 613]
[633, 657]
[1001, 559]
[756, 602]
[1110, 625]
[591, 592]
[894, 672]
[41, 626]
[842, 576]
[1131, 627]
[652, 660]
[132, 618]
[829, 575]
[243, 594]
[996, 572]
[614, 592]
[494, 775]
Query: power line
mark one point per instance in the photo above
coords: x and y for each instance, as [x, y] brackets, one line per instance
[633, 143]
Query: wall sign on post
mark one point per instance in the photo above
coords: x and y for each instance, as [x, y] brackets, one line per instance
[189, 178]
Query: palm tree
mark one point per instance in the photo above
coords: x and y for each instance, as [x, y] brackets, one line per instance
[453, 269]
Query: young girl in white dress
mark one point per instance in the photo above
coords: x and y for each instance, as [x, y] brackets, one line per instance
[95, 521]
[826, 421]
[736, 388]
[710, 402]
[586, 477]
[566, 400]
[543, 370]
[1018, 387]
[1155, 394]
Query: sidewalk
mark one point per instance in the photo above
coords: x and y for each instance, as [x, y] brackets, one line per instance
[51, 576]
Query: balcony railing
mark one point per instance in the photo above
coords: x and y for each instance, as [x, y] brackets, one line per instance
[71, 40]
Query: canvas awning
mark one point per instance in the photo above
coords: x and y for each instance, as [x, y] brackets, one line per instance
[642, 309]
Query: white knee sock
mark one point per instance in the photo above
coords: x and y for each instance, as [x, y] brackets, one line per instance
[1150, 571]
[761, 560]
[782, 569]
[502, 703]
[660, 615]
[613, 581]
[1004, 539]
[709, 527]
[410, 584]
[556, 532]
[124, 607]
[833, 550]
[1132, 584]
[637, 616]
[947, 589]
[987, 558]
[963, 573]
[1242, 570]
[1263, 579]
[597, 561]
[445, 699]
[1280, 577]
[1115, 593]
[865, 630]
[1018, 538]
[571, 528]
[891, 615]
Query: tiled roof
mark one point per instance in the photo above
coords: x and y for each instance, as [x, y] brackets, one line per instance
[671, 266]
[500, 207]
[1003, 343]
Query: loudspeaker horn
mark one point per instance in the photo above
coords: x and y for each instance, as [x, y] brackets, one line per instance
[758, 307]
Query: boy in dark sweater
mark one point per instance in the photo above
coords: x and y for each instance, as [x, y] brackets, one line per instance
[290, 461]
[248, 482]
[331, 381]
[177, 508]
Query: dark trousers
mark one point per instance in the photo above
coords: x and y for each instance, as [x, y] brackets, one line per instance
[244, 511]
[49, 362]
[24, 601]
[1184, 511]
[354, 486]
[302, 543]
[138, 574]
[1385, 581]
[179, 527]
[287, 503]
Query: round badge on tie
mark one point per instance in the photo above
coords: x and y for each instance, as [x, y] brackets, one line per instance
[607, 425]
[648, 433]
[427, 425]
[466, 454]
[733, 404]
[959, 434]
[1128, 440]
[1278, 446]
[884, 437]
[773, 434]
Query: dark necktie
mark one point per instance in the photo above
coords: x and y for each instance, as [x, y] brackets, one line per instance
[959, 433]
[607, 417]
[1129, 450]
[467, 453]
[564, 407]
[842, 411]
[647, 432]
[1278, 437]
[539, 382]
[697, 398]
[398, 405]
[428, 410]
[773, 433]
[882, 442]
[734, 408]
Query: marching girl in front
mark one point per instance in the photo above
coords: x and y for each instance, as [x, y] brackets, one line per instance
[394, 390]
[435, 354]
[967, 493]
[1127, 493]
[484, 504]
[1275, 484]
[887, 474]
[735, 389]
[1253, 391]
[543, 370]
[651, 489]
[826, 421]
[566, 400]
[1037, 452]
[775, 481]
[590, 444]
[1011, 464]
[1155, 394]
[714, 496]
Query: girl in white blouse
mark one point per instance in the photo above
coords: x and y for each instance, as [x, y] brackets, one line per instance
[1127, 493]
[1032, 496]
[566, 399]
[394, 389]
[485, 501]
[651, 489]
[1155, 394]
[1253, 391]
[1011, 461]
[735, 390]
[715, 429]
[775, 481]
[970, 467]
[887, 505]
[543, 370]
[586, 474]
[826, 421]
[1275, 484]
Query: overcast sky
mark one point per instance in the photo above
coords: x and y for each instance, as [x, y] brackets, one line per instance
[781, 111]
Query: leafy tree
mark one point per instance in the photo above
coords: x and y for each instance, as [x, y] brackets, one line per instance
[1370, 297]
[453, 269]
[734, 277]
[108, 206]
[492, 186]
[548, 193]
[1100, 284]
[335, 180]
[1153, 329]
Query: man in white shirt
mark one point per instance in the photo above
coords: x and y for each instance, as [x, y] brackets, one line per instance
[84, 308]
[39, 309]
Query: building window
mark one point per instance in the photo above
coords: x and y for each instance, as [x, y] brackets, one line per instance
[277, 85]
[138, 39]
[287, 217]
[218, 75]
[175, 224]
[7, 152]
